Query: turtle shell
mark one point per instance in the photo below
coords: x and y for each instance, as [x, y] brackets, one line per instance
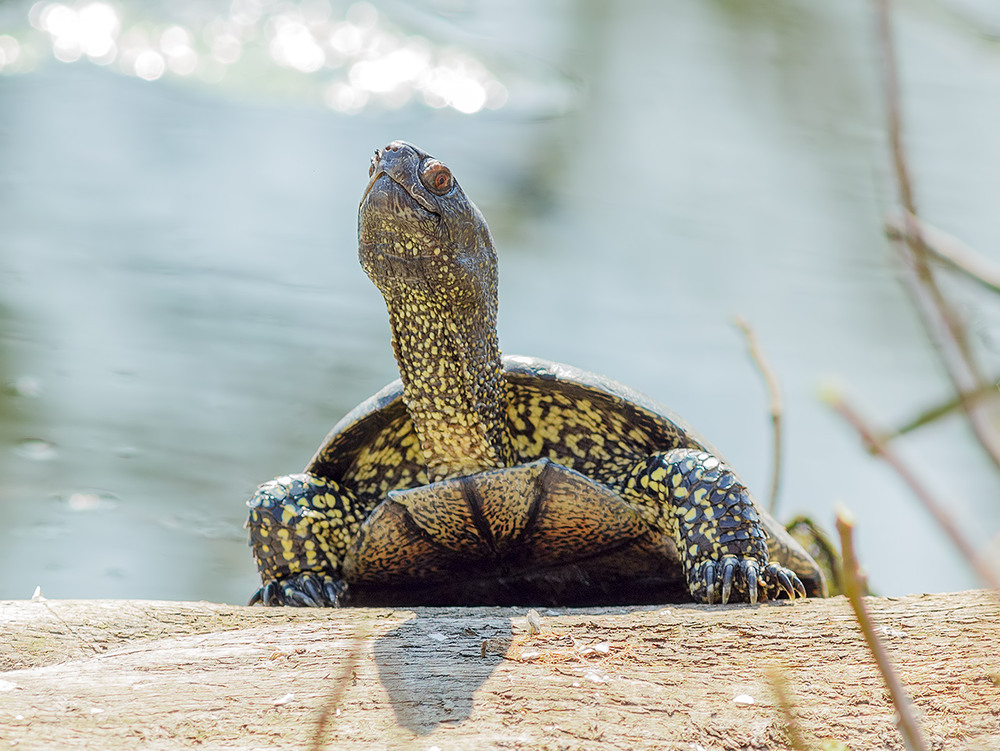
[477, 539]
[572, 416]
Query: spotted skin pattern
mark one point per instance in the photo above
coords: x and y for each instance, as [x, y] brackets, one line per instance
[653, 461]
[713, 515]
[460, 411]
[301, 526]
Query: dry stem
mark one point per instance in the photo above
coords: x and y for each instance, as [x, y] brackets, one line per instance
[332, 704]
[786, 705]
[775, 405]
[936, 509]
[942, 323]
[946, 248]
[938, 411]
[912, 736]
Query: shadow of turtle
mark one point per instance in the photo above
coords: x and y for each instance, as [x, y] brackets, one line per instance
[432, 665]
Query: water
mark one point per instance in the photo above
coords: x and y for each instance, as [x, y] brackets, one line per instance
[182, 315]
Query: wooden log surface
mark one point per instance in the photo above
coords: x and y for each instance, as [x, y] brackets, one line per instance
[101, 674]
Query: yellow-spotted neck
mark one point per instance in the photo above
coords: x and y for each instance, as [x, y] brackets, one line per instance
[428, 250]
[453, 385]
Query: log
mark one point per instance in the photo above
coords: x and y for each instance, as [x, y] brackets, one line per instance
[100, 674]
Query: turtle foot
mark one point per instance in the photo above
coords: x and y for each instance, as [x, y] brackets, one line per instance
[305, 590]
[781, 582]
[735, 579]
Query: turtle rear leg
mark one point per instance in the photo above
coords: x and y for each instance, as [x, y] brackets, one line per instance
[300, 526]
[698, 500]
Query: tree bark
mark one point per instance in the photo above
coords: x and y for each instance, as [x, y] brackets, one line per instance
[100, 674]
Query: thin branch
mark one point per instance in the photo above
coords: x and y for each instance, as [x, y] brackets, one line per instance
[332, 705]
[877, 446]
[961, 369]
[786, 705]
[940, 410]
[89, 644]
[775, 405]
[912, 736]
[942, 323]
[946, 248]
[891, 82]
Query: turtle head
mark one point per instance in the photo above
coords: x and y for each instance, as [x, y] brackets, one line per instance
[430, 253]
[417, 229]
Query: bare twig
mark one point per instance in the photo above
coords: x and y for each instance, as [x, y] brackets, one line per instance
[891, 83]
[933, 507]
[332, 705]
[946, 248]
[774, 395]
[942, 323]
[961, 369]
[912, 736]
[940, 410]
[89, 644]
[786, 705]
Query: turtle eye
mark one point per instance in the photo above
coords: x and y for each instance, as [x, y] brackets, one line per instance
[436, 177]
[374, 162]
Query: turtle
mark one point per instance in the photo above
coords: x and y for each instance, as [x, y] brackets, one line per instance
[483, 479]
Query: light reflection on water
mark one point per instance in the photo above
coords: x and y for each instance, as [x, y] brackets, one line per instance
[357, 58]
[182, 314]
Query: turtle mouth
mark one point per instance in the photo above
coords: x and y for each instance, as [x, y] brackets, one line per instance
[390, 212]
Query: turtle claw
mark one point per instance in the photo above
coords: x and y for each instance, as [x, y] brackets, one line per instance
[728, 569]
[305, 590]
[313, 590]
[752, 577]
[334, 590]
[267, 595]
[783, 581]
[734, 579]
[298, 599]
[785, 584]
[731, 579]
[710, 583]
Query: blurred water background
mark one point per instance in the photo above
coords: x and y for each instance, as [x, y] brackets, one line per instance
[182, 314]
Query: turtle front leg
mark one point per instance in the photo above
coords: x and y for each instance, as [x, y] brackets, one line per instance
[300, 525]
[698, 500]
